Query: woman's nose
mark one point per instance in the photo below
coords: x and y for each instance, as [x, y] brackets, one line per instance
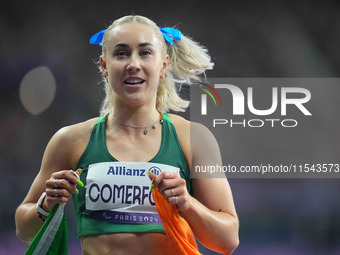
[134, 64]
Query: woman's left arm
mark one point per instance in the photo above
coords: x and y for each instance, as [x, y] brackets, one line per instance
[212, 216]
[210, 212]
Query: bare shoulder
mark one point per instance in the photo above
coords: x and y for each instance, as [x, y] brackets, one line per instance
[198, 143]
[187, 129]
[181, 124]
[70, 142]
[76, 132]
[195, 139]
[70, 136]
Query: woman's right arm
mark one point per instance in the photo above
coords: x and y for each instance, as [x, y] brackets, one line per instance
[59, 154]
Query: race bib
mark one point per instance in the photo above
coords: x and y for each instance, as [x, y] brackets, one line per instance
[120, 192]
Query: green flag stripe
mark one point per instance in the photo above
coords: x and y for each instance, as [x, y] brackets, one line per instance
[52, 237]
[50, 232]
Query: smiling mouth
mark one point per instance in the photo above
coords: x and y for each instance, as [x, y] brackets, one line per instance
[133, 82]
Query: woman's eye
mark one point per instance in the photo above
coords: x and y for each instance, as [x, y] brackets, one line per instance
[121, 53]
[145, 53]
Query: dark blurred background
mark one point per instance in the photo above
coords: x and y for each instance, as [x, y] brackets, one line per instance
[245, 39]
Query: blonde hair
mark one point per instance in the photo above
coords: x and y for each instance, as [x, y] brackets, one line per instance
[187, 61]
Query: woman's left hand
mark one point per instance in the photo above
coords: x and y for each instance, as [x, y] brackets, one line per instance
[173, 188]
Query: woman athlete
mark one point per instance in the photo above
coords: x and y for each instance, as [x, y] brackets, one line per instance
[115, 214]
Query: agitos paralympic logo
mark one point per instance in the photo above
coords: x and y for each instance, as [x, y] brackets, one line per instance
[296, 96]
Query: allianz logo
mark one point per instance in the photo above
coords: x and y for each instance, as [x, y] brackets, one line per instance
[122, 170]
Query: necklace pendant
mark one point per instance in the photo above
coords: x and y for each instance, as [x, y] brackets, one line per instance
[146, 131]
[154, 126]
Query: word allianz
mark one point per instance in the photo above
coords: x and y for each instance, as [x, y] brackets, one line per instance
[122, 170]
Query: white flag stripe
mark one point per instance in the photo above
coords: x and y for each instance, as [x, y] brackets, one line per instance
[51, 230]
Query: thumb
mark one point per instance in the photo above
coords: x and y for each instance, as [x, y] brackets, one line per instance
[151, 175]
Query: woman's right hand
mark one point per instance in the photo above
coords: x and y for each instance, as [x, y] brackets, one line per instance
[59, 188]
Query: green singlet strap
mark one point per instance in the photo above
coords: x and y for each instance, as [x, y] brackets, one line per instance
[102, 118]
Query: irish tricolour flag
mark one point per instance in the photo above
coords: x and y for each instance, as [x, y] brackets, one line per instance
[52, 238]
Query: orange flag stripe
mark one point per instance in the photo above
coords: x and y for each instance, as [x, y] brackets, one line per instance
[177, 228]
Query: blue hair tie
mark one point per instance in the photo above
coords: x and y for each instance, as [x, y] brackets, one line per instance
[167, 31]
[98, 37]
[169, 35]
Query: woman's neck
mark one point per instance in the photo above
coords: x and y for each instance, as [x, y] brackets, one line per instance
[141, 116]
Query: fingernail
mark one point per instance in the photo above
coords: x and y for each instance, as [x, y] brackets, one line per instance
[152, 187]
[77, 191]
[78, 171]
[80, 183]
[148, 173]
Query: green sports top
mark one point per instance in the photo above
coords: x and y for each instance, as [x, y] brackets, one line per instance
[96, 197]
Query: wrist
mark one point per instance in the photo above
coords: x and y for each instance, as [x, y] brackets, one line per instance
[39, 207]
[45, 207]
[188, 206]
